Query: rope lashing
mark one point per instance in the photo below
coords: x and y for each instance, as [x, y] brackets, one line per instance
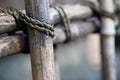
[99, 11]
[65, 20]
[30, 22]
[107, 14]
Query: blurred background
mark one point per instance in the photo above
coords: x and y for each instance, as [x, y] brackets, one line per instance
[76, 60]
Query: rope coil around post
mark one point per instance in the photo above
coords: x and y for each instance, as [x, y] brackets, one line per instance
[107, 14]
[33, 23]
[65, 20]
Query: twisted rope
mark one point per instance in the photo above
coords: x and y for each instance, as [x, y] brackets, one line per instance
[30, 22]
[65, 20]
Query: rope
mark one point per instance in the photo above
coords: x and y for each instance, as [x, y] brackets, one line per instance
[98, 10]
[107, 14]
[30, 22]
[65, 20]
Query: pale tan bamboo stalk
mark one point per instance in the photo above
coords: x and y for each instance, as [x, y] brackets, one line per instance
[107, 41]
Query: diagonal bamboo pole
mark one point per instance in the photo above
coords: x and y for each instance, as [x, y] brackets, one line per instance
[41, 45]
[107, 41]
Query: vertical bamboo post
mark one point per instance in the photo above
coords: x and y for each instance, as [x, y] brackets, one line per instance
[41, 45]
[57, 69]
[107, 41]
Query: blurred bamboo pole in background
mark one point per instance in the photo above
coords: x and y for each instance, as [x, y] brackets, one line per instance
[108, 41]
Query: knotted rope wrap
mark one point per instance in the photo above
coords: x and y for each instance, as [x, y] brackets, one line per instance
[107, 14]
[65, 20]
[30, 22]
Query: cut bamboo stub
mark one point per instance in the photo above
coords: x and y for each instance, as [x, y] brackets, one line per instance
[7, 22]
[77, 29]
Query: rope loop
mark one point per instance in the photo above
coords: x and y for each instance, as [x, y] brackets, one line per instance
[30, 22]
[65, 20]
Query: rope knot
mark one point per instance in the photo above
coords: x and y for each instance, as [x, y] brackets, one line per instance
[30, 22]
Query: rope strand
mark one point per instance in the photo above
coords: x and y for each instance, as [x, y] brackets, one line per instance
[33, 23]
[66, 22]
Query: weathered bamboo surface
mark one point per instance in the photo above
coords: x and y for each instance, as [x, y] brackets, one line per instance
[78, 30]
[108, 41]
[7, 22]
[12, 44]
[41, 45]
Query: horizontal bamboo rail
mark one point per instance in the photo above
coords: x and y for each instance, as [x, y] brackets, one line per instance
[7, 22]
[18, 43]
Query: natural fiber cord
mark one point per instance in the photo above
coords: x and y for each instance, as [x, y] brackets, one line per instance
[65, 21]
[30, 22]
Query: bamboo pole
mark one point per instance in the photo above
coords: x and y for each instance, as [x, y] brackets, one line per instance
[55, 53]
[7, 22]
[11, 45]
[41, 45]
[107, 41]
[72, 11]
[19, 42]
